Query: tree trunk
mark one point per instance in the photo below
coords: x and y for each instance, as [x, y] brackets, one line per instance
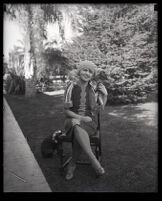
[30, 89]
[34, 46]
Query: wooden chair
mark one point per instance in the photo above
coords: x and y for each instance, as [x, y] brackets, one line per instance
[95, 141]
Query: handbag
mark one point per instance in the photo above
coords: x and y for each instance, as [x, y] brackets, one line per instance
[50, 144]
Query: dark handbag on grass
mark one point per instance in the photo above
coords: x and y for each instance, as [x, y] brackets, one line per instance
[49, 144]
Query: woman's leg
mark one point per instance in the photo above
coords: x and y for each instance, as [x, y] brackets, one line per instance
[82, 142]
[75, 155]
[76, 151]
[69, 125]
[82, 138]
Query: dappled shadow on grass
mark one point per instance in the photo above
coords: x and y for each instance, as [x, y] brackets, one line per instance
[129, 145]
[145, 113]
[130, 142]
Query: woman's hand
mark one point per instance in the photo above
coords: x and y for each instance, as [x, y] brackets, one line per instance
[102, 95]
[75, 122]
[101, 88]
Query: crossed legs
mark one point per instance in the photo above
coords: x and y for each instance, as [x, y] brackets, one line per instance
[82, 142]
[82, 138]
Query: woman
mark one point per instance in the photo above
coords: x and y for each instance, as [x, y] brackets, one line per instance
[80, 104]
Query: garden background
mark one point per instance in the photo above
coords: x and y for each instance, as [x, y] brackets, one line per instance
[121, 39]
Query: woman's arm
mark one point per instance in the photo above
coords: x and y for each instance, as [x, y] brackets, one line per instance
[73, 115]
[103, 99]
[102, 94]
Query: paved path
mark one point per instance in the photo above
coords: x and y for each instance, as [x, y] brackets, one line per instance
[53, 93]
[21, 170]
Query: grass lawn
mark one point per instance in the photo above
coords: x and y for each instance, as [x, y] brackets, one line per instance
[129, 145]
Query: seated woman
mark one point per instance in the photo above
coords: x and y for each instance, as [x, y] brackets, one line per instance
[80, 104]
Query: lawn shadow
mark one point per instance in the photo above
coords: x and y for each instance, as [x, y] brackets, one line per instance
[129, 145]
[145, 113]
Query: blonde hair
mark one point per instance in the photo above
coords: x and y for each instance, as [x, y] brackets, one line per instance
[73, 75]
[87, 64]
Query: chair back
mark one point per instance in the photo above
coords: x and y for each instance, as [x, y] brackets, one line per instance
[98, 119]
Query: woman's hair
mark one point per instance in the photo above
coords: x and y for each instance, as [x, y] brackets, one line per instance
[73, 75]
[87, 64]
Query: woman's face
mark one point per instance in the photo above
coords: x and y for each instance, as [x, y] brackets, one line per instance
[86, 74]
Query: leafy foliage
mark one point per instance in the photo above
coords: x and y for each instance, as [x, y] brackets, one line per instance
[121, 39]
[52, 57]
[14, 84]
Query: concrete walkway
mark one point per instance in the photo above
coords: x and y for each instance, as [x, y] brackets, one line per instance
[21, 170]
[53, 93]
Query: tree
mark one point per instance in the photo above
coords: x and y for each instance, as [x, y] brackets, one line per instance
[35, 19]
[121, 39]
[29, 18]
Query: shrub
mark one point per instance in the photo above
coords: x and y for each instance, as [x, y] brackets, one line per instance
[128, 90]
[14, 84]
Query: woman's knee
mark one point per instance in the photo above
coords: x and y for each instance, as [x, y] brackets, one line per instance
[79, 130]
[76, 128]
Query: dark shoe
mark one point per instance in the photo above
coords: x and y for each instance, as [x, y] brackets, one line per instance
[70, 172]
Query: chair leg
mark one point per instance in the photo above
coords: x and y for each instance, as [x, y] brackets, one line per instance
[98, 152]
[63, 163]
[83, 162]
[66, 162]
[60, 153]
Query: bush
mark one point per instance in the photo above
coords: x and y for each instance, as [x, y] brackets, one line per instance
[14, 84]
[127, 91]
